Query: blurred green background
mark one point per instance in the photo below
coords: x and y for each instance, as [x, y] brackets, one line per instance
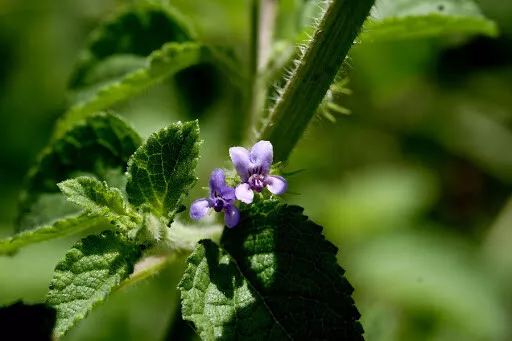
[413, 187]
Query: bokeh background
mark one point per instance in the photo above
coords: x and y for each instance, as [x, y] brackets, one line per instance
[413, 186]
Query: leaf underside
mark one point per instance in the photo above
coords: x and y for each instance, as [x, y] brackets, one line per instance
[142, 44]
[159, 66]
[161, 171]
[93, 267]
[275, 278]
[58, 229]
[407, 19]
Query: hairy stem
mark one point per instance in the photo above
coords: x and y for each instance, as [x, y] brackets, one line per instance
[321, 60]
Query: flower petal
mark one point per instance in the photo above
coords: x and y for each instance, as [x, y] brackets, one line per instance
[244, 193]
[276, 184]
[240, 158]
[217, 180]
[231, 215]
[262, 154]
[199, 208]
[228, 193]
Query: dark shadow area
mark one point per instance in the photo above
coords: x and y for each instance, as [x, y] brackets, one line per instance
[27, 322]
[180, 329]
[199, 86]
[481, 53]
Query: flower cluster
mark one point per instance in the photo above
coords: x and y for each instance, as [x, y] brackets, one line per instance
[253, 168]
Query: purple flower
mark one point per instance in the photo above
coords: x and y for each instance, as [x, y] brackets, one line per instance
[253, 167]
[221, 198]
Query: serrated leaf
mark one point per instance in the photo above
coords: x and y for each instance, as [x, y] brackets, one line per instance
[59, 228]
[87, 275]
[405, 19]
[161, 171]
[126, 38]
[275, 278]
[99, 199]
[96, 146]
[38, 320]
[160, 65]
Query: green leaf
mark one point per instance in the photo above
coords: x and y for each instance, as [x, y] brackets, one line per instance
[42, 209]
[159, 66]
[98, 199]
[406, 19]
[38, 320]
[94, 267]
[102, 140]
[275, 278]
[125, 39]
[120, 48]
[59, 228]
[97, 145]
[161, 171]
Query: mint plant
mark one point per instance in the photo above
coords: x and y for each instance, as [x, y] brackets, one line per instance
[271, 274]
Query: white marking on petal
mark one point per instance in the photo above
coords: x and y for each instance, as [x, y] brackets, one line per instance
[244, 193]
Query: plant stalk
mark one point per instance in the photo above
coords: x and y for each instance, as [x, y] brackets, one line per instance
[262, 31]
[322, 58]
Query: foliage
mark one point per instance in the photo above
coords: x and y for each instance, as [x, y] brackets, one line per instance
[57, 229]
[161, 171]
[395, 20]
[98, 199]
[90, 271]
[272, 273]
[100, 145]
[254, 287]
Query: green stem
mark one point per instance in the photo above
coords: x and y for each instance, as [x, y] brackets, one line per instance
[267, 20]
[253, 65]
[241, 125]
[262, 30]
[321, 61]
[254, 39]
